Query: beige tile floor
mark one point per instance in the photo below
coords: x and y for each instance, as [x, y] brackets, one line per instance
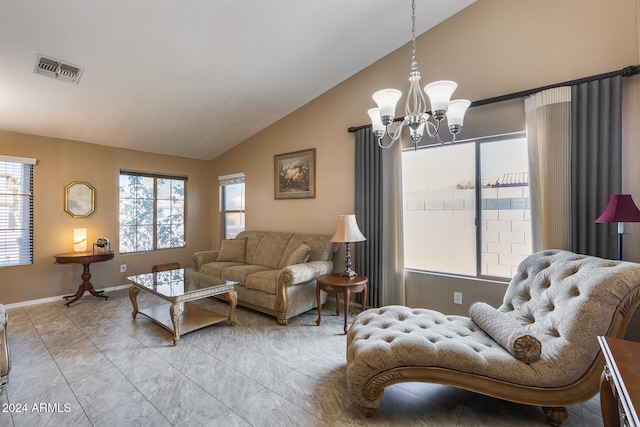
[91, 364]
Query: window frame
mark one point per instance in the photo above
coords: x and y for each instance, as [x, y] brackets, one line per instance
[478, 204]
[223, 181]
[155, 225]
[24, 250]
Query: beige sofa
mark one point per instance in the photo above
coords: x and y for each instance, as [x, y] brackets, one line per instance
[275, 271]
[539, 347]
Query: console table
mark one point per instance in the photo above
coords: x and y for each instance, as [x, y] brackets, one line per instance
[620, 382]
[86, 259]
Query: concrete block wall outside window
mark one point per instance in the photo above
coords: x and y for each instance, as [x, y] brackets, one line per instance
[442, 230]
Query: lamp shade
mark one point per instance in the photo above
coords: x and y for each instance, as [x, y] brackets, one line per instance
[347, 230]
[376, 121]
[387, 100]
[439, 94]
[621, 208]
[79, 239]
[457, 109]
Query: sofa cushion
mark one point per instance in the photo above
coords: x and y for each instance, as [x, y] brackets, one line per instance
[253, 241]
[271, 249]
[321, 248]
[239, 273]
[265, 281]
[232, 250]
[216, 268]
[300, 255]
[506, 331]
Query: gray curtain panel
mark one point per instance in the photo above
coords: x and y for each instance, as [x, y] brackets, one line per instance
[368, 206]
[596, 158]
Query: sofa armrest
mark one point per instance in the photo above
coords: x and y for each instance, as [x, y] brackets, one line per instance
[300, 273]
[203, 257]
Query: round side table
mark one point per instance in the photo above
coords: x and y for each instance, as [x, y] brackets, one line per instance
[335, 284]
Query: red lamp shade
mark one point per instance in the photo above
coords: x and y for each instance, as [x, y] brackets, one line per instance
[621, 208]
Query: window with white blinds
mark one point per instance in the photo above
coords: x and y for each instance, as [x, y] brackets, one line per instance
[16, 210]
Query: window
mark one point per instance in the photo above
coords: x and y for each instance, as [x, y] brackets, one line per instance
[16, 211]
[449, 189]
[231, 204]
[151, 212]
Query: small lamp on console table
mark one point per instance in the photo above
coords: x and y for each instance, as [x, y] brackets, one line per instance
[346, 233]
[620, 209]
[79, 239]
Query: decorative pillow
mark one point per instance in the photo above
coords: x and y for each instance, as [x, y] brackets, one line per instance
[506, 331]
[300, 255]
[232, 250]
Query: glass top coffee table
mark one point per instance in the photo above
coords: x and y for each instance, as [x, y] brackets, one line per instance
[178, 287]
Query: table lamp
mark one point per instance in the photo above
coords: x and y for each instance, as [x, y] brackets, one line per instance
[620, 209]
[79, 239]
[346, 233]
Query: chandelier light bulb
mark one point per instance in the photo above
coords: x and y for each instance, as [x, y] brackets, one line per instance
[439, 94]
[376, 122]
[455, 114]
[387, 100]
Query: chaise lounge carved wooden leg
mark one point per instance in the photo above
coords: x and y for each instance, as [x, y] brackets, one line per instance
[368, 412]
[555, 415]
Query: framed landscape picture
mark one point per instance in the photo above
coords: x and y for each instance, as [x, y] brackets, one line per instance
[295, 175]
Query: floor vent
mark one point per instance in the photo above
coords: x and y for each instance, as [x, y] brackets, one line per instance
[57, 69]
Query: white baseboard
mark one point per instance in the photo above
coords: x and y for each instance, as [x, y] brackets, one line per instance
[53, 299]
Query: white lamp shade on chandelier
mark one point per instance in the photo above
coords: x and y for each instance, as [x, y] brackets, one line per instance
[416, 116]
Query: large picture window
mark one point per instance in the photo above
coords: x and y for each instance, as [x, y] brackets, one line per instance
[152, 212]
[16, 210]
[466, 207]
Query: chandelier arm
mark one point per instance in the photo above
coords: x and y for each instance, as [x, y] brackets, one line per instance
[429, 125]
[384, 147]
[453, 139]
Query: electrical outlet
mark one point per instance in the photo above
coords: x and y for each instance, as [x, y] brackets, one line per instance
[457, 297]
[123, 268]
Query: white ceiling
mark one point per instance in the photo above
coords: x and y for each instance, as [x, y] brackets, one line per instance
[189, 78]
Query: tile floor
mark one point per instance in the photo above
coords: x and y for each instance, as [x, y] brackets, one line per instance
[92, 365]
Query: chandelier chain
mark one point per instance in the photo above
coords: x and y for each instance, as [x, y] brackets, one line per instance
[413, 34]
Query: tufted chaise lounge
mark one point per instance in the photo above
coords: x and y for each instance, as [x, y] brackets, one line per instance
[541, 348]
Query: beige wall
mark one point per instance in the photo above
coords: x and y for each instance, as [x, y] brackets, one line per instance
[61, 162]
[492, 48]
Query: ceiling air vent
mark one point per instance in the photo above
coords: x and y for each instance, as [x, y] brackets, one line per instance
[57, 69]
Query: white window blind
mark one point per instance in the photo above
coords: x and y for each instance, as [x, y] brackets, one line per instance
[16, 210]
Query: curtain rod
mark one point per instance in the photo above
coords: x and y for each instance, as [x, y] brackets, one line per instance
[629, 71]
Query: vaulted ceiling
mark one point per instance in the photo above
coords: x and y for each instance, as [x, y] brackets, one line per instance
[189, 78]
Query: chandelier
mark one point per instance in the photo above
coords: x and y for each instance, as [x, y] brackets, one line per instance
[416, 117]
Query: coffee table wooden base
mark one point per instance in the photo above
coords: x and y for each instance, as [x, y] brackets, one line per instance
[183, 317]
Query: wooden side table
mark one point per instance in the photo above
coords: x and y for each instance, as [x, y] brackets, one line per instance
[84, 258]
[335, 284]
